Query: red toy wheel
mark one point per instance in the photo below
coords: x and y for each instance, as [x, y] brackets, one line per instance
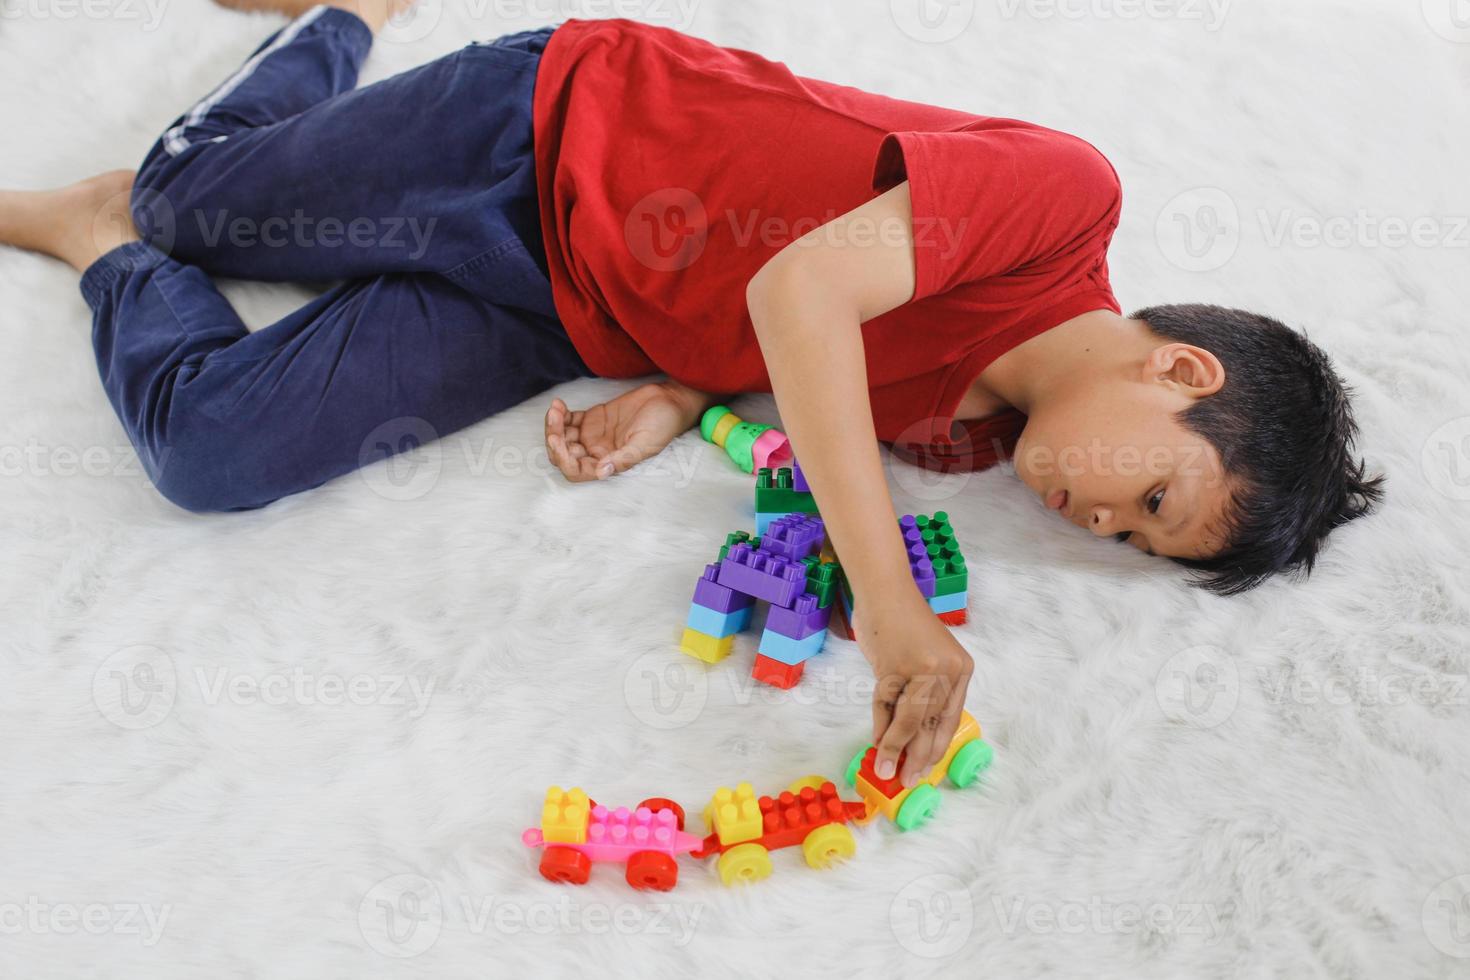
[565, 865]
[658, 803]
[653, 870]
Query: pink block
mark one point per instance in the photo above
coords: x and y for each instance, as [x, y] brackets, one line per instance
[616, 835]
[771, 449]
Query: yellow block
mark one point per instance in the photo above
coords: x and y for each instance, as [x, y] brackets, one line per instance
[734, 814]
[564, 816]
[705, 647]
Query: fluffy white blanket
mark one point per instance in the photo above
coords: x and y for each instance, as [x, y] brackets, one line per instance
[304, 741]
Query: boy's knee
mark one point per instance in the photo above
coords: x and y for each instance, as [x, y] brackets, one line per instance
[198, 476]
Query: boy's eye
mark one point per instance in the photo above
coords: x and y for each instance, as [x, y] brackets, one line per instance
[1155, 502]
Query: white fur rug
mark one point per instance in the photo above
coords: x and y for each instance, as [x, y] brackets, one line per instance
[303, 742]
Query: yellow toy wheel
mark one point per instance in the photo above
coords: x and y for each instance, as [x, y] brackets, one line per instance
[815, 782]
[744, 864]
[828, 845]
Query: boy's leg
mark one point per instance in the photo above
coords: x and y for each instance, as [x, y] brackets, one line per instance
[285, 173]
[228, 420]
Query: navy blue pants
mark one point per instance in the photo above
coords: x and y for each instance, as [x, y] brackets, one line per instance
[418, 193]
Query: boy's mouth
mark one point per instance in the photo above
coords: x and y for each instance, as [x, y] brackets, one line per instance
[1057, 501]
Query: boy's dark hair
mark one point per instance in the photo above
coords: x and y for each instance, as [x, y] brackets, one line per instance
[1285, 433]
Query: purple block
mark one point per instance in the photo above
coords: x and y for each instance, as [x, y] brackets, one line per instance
[803, 619]
[763, 575]
[710, 594]
[798, 478]
[794, 536]
[919, 563]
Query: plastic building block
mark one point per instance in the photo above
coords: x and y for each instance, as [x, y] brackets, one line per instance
[564, 816]
[771, 448]
[710, 649]
[731, 540]
[798, 478]
[647, 840]
[710, 594]
[734, 815]
[775, 673]
[957, 618]
[809, 814]
[908, 808]
[948, 603]
[920, 566]
[748, 444]
[950, 572]
[823, 578]
[801, 620]
[794, 536]
[762, 574]
[763, 522]
[776, 493]
[719, 625]
[789, 651]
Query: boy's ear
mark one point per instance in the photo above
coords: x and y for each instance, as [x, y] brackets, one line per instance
[1191, 370]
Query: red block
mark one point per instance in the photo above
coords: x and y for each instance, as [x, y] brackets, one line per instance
[958, 617]
[888, 787]
[775, 673]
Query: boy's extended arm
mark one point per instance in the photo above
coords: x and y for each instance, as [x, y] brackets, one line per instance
[808, 305]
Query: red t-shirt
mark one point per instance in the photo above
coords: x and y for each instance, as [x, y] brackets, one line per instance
[670, 170]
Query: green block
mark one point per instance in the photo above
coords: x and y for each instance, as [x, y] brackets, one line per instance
[774, 494]
[738, 537]
[950, 573]
[822, 579]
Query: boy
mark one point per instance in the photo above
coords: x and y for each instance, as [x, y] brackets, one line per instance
[614, 199]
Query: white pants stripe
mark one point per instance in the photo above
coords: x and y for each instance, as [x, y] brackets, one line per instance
[176, 141]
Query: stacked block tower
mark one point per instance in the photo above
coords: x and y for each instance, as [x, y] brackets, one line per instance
[790, 565]
[782, 567]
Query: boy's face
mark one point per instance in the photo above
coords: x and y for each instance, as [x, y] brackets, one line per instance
[1113, 458]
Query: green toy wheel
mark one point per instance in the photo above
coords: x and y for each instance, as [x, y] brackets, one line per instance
[970, 761]
[854, 766]
[918, 808]
[710, 419]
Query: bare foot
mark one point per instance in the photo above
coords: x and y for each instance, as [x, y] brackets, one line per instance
[374, 13]
[77, 224]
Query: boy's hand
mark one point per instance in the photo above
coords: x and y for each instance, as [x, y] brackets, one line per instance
[922, 675]
[608, 438]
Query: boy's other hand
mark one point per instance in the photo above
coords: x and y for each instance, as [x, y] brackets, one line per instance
[605, 439]
[922, 674]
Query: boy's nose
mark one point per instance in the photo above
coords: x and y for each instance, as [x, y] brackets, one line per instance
[1101, 520]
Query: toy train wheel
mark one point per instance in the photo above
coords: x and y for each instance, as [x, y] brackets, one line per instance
[658, 803]
[744, 864]
[918, 808]
[855, 765]
[653, 871]
[970, 761]
[566, 865]
[814, 782]
[828, 845]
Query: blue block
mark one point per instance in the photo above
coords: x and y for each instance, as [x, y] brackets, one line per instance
[789, 651]
[765, 520]
[947, 603]
[712, 622]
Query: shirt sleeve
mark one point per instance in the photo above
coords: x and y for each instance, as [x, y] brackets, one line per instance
[1004, 198]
